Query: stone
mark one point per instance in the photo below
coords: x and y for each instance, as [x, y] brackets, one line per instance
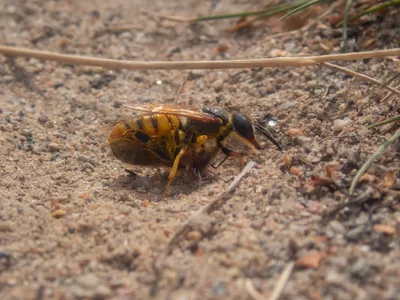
[339, 124]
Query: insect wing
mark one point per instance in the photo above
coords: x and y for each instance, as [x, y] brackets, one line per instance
[190, 113]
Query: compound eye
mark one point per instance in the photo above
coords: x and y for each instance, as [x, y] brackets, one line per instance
[243, 126]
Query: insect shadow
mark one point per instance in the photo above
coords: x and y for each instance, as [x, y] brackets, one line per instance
[154, 182]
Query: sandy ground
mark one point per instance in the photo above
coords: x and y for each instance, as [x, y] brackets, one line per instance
[74, 224]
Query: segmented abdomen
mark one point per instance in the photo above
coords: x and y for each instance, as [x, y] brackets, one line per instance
[146, 140]
[155, 124]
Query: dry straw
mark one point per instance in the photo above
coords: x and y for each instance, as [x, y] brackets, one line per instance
[193, 65]
[278, 62]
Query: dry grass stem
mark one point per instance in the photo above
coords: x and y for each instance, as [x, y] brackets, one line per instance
[216, 203]
[389, 95]
[173, 18]
[371, 159]
[115, 29]
[283, 279]
[360, 76]
[251, 290]
[365, 196]
[193, 65]
[220, 200]
[181, 87]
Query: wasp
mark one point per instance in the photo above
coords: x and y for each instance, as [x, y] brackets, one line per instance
[160, 137]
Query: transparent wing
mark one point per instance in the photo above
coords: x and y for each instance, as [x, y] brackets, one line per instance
[186, 112]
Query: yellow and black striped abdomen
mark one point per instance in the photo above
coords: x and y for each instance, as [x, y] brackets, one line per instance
[154, 124]
[147, 140]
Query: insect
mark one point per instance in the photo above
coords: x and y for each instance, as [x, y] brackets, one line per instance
[160, 137]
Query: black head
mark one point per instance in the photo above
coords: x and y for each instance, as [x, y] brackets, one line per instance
[244, 127]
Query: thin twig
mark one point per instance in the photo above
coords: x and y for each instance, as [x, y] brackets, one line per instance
[283, 279]
[209, 208]
[195, 65]
[360, 76]
[389, 95]
[365, 196]
[222, 198]
[181, 87]
[372, 158]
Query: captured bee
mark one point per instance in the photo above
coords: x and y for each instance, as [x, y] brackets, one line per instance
[160, 137]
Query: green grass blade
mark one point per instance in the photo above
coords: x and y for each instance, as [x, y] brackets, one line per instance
[230, 16]
[345, 23]
[376, 8]
[270, 11]
[373, 9]
[301, 7]
[387, 121]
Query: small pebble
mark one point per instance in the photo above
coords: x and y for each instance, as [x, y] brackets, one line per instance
[42, 119]
[339, 124]
[333, 277]
[124, 197]
[314, 207]
[311, 259]
[363, 131]
[87, 167]
[337, 227]
[386, 229]
[301, 140]
[360, 269]
[125, 210]
[293, 132]
[84, 196]
[88, 281]
[258, 223]
[355, 233]
[194, 235]
[58, 213]
[6, 226]
[196, 74]
[218, 84]
[26, 132]
[276, 193]
[54, 147]
[342, 108]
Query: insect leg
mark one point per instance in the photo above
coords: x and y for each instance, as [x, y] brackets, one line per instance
[174, 170]
[222, 161]
[199, 141]
[231, 153]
